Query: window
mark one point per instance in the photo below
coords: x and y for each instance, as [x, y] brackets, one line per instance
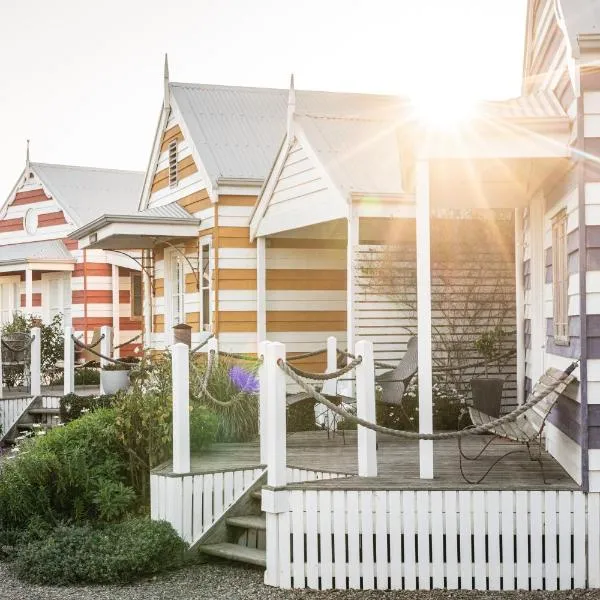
[56, 296]
[173, 163]
[9, 299]
[30, 221]
[175, 288]
[205, 285]
[137, 295]
[560, 279]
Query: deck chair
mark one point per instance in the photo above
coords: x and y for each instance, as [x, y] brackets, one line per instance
[527, 428]
[393, 383]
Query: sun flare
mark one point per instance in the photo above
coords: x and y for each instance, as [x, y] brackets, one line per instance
[443, 112]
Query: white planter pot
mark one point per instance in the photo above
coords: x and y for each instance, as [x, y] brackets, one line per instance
[114, 381]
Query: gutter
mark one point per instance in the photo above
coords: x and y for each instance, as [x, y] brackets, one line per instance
[583, 370]
[145, 219]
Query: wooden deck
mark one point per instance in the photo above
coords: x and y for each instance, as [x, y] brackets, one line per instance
[50, 390]
[398, 462]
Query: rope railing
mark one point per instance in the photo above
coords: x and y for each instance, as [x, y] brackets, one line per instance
[307, 354]
[85, 346]
[483, 428]
[205, 378]
[25, 344]
[326, 376]
[98, 354]
[133, 339]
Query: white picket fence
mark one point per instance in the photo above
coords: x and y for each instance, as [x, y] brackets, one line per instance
[408, 540]
[11, 410]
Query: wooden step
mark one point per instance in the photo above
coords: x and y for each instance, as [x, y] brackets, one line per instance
[44, 411]
[258, 522]
[251, 556]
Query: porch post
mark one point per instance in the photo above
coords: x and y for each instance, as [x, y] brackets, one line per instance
[538, 267]
[353, 224]
[29, 291]
[115, 309]
[147, 287]
[424, 316]
[181, 408]
[69, 362]
[261, 290]
[105, 349]
[520, 305]
[35, 371]
[365, 409]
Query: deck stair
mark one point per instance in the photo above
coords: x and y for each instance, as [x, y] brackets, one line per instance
[239, 535]
[42, 412]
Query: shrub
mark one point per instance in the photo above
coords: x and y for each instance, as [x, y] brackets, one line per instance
[52, 344]
[301, 416]
[203, 428]
[446, 409]
[59, 476]
[116, 553]
[73, 406]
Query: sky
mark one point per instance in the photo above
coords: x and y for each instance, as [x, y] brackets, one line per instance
[83, 80]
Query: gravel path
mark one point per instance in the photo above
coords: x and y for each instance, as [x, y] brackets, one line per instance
[216, 581]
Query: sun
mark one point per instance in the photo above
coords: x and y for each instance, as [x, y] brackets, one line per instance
[443, 111]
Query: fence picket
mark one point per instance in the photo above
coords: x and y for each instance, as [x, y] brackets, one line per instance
[479, 530]
[381, 548]
[579, 535]
[187, 507]
[207, 501]
[395, 526]
[339, 539]
[197, 506]
[564, 540]
[593, 557]
[450, 526]
[437, 539]
[326, 546]
[507, 501]
[297, 509]
[493, 536]
[366, 527]
[550, 558]
[354, 571]
[409, 530]
[522, 533]
[285, 575]
[466, 529]
[312, 550]
[218, 495]
[536, 508]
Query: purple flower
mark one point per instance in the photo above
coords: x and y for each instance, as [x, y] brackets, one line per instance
[243, 380]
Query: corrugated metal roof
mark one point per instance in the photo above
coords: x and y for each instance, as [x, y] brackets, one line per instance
[44, 250]
[169, 211]
[541, 105]
[238, 130]
[87, 193]
[360, 155]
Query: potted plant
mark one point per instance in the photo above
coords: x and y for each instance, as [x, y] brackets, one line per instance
[114, 377]
[487, 391]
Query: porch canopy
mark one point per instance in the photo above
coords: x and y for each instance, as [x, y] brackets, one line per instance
[49, 255]
[499, 158]
[138, 231]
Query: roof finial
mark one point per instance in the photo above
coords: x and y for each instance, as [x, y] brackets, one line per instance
[291, 109]
[167, 99]
[27, 157]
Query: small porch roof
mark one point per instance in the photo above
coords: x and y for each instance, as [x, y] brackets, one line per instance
[141, 230]
[46, 255]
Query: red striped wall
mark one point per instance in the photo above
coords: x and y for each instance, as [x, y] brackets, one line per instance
[36, 299]
[11, 225]
[30, 197]
[50, 219]
[93, 269]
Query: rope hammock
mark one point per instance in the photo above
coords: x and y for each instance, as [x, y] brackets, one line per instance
[535, 398]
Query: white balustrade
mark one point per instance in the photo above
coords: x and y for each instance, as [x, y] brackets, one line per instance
[181, 408]
[36, 361]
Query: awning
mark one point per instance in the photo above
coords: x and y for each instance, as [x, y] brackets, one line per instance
[141, 230]
[48, 255]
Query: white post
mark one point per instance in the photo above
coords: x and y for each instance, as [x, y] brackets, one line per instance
[365, 409]
[181, 408]
[213, 346]
[330, 386]
[275, 499]
[276, 448]
[105, 349]
[36, 361]
[147, 287]
[520, 305]
[28, 291]
[1, 371]
[263, 419]
[69, 362]
[115, 309]
[261, 290]
[424, 317]
[538, 268]
[353, 238]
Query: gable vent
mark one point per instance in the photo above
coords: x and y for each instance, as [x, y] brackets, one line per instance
[173, 163]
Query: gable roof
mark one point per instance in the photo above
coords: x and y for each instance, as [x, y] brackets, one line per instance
[85, 193]
[359, 155]
[51, 250]
[237, 131]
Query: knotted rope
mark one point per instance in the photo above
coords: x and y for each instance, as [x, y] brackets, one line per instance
[412, 435]
[307, 354]
[212, 355]
[26, 343]
[326, 376]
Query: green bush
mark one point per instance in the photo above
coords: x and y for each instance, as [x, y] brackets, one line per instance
[446, 409]
[61, 476]
[52, 345]
[301, 416]
[116, 553]
[73, 406]
[203, 428]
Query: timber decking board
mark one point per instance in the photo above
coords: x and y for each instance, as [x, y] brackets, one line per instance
[398, 462]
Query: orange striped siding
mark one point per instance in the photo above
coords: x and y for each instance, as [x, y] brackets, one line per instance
[236, 279]
[93, 269]
[237, 321]
[124, 296]
[128, 324]
[174, 133]
[130, 349]
[7, 225]
[49, 219]
[92, 323]
[93, 297]
[302, 243]
[237, 200]
[158, 325]
[30, 197]
[36, 299]
[70, 244]
[159, 287]
[235, 237]
[306, 279]
[195, 202]
[325, 320]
